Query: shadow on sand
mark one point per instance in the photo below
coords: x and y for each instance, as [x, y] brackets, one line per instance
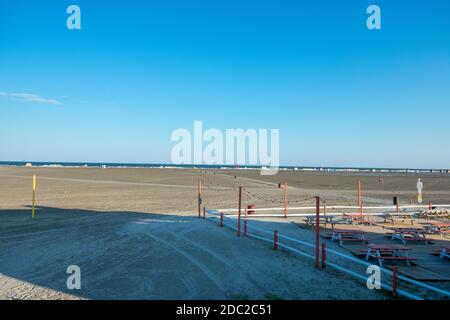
[135, 255]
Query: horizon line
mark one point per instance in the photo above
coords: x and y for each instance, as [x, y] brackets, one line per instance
[236, 166]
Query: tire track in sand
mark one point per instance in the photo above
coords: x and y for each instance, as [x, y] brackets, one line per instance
[202, 267]
[236, 271]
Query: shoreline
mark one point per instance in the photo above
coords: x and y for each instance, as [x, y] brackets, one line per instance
[321, 169]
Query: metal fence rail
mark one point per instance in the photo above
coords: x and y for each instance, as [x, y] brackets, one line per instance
[216, 216]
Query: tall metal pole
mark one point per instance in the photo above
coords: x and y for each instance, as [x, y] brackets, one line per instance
[317, 230]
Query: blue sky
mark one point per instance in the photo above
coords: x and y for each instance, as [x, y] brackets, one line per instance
[114, 91]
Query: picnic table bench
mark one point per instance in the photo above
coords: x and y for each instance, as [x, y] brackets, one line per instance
[442, 229]
[408, 234]
[392, 217]
[311, 220]
[358, 219]
[348, 235]
[382, 252]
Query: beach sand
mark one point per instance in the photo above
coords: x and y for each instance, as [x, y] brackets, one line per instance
[135, 235]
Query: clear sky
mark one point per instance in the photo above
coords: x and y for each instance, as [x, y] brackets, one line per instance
[114, 91]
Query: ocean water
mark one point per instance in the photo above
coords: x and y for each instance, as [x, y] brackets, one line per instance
[116, 165]
[196, 166]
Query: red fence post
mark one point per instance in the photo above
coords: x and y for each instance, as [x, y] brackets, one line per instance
[221, 219]
[275, 240]
[324, 255]
[394, 280]
[317, 230]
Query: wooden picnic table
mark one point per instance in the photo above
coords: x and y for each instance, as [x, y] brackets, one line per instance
[323, 219]
[348, 235]
[382, 252]
[408, 234]
[392, 217]
[437, 228]
[357, 219]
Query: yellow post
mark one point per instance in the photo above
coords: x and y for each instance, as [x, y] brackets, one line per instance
[33, 210]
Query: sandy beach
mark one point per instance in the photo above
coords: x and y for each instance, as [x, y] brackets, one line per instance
[135, 233]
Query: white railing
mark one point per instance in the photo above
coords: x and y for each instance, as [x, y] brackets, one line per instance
[340, 207]
[216, 216]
